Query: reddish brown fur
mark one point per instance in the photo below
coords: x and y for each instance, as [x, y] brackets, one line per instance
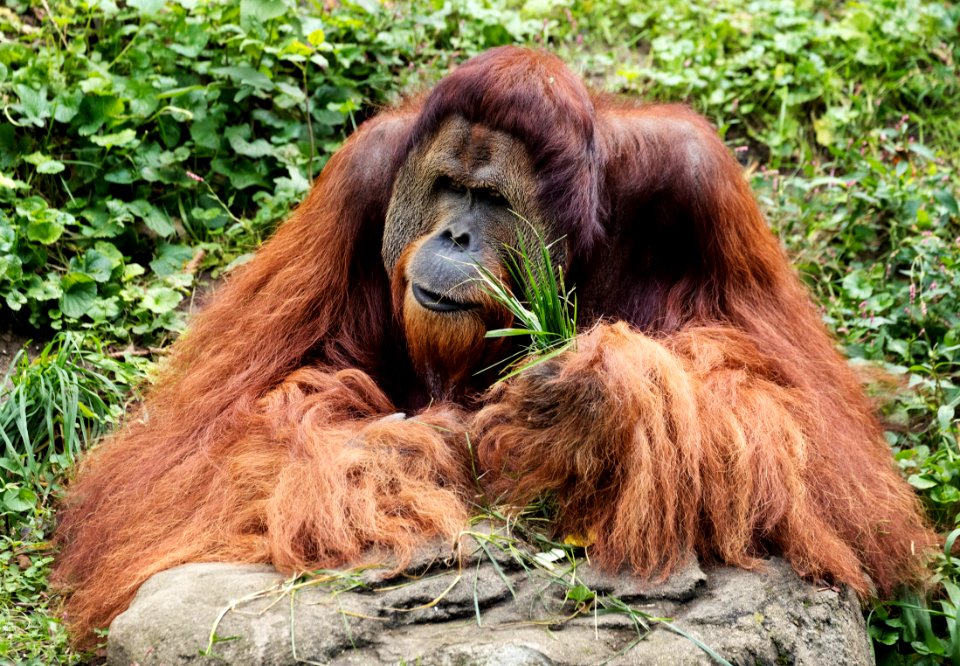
[691, 445]
[447, 349]
[704, 412]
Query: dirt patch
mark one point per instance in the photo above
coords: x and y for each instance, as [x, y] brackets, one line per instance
[10, 344]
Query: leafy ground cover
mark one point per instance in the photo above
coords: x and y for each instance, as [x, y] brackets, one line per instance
[147, 144]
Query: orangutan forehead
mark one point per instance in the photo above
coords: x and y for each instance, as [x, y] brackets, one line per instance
[476, 154]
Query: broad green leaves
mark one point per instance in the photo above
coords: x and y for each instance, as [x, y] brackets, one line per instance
[246, 76]
[79, 293]
[44, 163]
[44, 231]
[154, 218]
[161, 299]
[121, 138]
[147, 141]
[262, 10]
[34, 107]
[18, 500]
[100, 217]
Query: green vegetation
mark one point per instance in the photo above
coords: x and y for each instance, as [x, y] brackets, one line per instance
[147, 144]
[54, 407]
[543, 309]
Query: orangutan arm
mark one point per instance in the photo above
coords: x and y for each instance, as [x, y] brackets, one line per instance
[264, 439]
[355, 479]
[320, 472]
[659, 449]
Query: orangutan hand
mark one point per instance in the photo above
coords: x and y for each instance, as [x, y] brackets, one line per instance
[546, 428]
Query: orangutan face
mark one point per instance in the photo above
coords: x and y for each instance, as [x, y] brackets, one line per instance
[458, 203]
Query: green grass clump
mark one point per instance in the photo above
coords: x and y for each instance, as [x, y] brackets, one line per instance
[543, 308]
[51, 408]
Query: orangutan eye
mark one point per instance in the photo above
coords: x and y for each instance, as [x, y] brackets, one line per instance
[448, 184]
[489, 195]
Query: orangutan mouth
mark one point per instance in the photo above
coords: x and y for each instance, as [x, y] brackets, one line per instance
[438, 302]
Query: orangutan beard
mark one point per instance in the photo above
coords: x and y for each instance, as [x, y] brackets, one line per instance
[450, 350]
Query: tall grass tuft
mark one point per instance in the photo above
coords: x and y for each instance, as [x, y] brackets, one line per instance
[543, 309]
[51, 408]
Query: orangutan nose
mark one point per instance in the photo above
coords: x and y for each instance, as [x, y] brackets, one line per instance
[461, 234]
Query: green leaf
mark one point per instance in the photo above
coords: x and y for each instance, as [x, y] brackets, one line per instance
[121, 138]
[67, 105]
[921, 482]
[19, 499]
[148, 7]
[14, 299]
[580, 593]
[945, 417]
[121, 176]
[206, 133]
[239, 261]
[131, 271]
[242, 173]
[44, 231]
[109, 250]
[261, 10]
[155, 219]
[79, 292]
[11, 267]
[8, 183]
[34, 106]
[36, 158]
[237, 136]
[824, 128]
[922, 151]
[885, 637]
[246, 76]
[9, 465]
[170, 259]
[50, 167]
[104, 309]
[96, 265]
[510, 332]
[95, 110]
[44, 163]
[857, 284]
[191, 40]
[45, 290]
[161, 299]
[948, 201]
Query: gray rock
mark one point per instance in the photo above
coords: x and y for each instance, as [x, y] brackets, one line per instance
[683, 585]
[485, 613]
